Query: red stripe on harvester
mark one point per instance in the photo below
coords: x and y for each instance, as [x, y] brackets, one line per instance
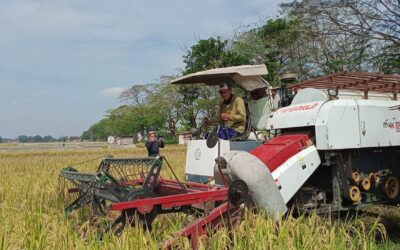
[277, 150]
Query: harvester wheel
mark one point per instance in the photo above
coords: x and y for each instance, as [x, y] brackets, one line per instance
[371, 176]
[391, 187]
[366, 184]
[355, 194]
[356, 177]
[256, 176]
[238, 192]
[377, 177]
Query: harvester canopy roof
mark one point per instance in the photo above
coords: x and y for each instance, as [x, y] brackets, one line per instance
[354, 81]
[247, 76]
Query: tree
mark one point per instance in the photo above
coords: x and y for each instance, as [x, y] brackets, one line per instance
[99, 131]
[281, 39]
[37, 138]
[205, 54]
[23, 138]
[1, 139]
[349, 35]
[388, 61]
[372, 19]
[166, 99]
[128, 120]
[311, 38]
[87, 135]
[63, 139]
[138, 115]
[48, 138]
[136, 95]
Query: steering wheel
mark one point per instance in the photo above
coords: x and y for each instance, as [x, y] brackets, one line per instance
[211, 128]
[212, 134]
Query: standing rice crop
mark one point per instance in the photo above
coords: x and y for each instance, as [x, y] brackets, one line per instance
[32, 216]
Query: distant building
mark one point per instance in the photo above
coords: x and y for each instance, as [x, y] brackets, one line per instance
[123, 141]
[74, 139]
[139, 137]
[111, 140]
[184, 137]
[120, 141]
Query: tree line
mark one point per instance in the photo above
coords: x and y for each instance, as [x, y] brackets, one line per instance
[39, 138]
[310, 38]
[36, 138]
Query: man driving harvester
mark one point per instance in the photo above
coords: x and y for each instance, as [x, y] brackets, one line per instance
[232, 113]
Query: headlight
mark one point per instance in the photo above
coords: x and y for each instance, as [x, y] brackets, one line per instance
[333, 92]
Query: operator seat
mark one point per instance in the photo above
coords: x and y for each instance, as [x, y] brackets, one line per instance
[248, 128]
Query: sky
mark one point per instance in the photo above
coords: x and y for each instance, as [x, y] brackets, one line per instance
[63, 63]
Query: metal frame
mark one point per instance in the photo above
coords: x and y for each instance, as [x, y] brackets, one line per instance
[354, 81]
[122, 182]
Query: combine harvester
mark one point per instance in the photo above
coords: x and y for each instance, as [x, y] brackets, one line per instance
[335, 148]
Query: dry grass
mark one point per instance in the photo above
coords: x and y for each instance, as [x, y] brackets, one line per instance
[32, 217]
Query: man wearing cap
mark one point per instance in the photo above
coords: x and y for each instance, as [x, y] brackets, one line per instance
[232, 113]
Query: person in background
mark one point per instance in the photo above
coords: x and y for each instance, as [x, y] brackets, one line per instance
[259, 108]
[153, 145]
[232, 113]
[275, 97]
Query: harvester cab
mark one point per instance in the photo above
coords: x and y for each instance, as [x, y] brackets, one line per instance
[200, 158]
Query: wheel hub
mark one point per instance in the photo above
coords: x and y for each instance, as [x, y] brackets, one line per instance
[238, 192]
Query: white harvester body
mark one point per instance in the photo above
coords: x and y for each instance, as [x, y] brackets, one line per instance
[271, 190]
[344, 124]
[294, 172]
[337, 125]
[200, 159]
[329, 149]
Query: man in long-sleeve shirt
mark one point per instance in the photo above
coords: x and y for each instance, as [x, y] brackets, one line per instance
[232, 113]
[153, 146]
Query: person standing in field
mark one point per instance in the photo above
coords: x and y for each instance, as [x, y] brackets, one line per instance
[153, 145]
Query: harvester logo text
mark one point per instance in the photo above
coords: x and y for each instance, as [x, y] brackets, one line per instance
[392, 124]
[397, 107]
[297, 108]
[389, 123]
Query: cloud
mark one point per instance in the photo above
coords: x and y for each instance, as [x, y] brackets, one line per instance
[22, 101]
[112, 92]
[40, 93]
[29, 97]
[52, 48]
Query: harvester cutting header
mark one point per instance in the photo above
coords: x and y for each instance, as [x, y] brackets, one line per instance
[335, 147]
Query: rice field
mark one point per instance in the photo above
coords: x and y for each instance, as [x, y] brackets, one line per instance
[32, 216]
